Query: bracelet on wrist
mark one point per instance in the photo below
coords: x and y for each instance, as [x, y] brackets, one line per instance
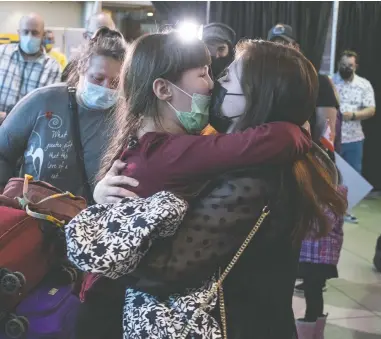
[353, 116]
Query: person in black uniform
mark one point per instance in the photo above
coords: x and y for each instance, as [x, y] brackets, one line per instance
[220, 40]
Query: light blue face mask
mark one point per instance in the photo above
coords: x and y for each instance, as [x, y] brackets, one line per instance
[198, 118]
[97, 97]
[30, 44]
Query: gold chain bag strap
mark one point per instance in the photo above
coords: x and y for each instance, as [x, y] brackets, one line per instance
[217, 286]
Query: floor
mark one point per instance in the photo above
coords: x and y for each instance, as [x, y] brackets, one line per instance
[354, 300]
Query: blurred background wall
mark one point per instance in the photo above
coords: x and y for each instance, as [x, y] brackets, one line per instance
[55, 13]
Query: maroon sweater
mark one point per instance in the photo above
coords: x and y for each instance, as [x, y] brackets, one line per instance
[162, 161]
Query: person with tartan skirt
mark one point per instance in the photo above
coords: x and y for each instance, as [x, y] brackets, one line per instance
[318, 263]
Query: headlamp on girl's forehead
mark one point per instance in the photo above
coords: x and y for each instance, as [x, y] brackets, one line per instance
[189, 31]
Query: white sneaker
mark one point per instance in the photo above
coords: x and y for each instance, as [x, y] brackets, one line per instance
[351, 219]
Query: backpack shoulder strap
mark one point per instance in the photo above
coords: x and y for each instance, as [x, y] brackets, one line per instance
[73, 105]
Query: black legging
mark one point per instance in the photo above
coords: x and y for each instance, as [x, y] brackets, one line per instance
[313, 293]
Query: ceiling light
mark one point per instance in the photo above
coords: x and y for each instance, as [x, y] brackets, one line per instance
[189, 31]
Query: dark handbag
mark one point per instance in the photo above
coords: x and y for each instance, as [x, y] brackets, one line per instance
[41, 200]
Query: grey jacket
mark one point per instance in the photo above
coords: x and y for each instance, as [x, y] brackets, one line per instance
[39, 129]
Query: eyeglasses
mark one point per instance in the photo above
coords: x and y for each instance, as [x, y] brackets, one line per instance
[106, 32]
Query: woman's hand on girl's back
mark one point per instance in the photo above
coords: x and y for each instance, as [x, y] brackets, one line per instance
[110, 188]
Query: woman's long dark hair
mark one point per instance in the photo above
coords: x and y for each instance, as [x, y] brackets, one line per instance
[153, 56]
[280, 84]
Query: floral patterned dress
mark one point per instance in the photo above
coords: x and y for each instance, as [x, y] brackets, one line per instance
[111, 239]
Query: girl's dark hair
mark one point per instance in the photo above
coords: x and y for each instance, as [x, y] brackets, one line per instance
[105, 42]
[153, 56]
[280, 84]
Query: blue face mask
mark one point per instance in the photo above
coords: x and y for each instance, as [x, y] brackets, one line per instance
[30, 44]
[97, 97]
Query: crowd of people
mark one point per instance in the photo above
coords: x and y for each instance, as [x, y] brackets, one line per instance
[180, 148]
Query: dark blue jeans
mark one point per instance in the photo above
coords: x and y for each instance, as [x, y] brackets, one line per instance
[352, 153]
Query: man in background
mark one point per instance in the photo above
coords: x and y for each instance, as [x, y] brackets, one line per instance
[25, 66]
[220, 40]
[95, 22]
[49, 42]
[282, 33]
[357, 103]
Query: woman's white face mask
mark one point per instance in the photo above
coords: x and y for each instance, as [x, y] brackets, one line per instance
[97, 97]
[234, 103]
[228, 100]
[97, 87]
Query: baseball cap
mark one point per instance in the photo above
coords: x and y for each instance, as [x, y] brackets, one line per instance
[218, 31]
[281, 31]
